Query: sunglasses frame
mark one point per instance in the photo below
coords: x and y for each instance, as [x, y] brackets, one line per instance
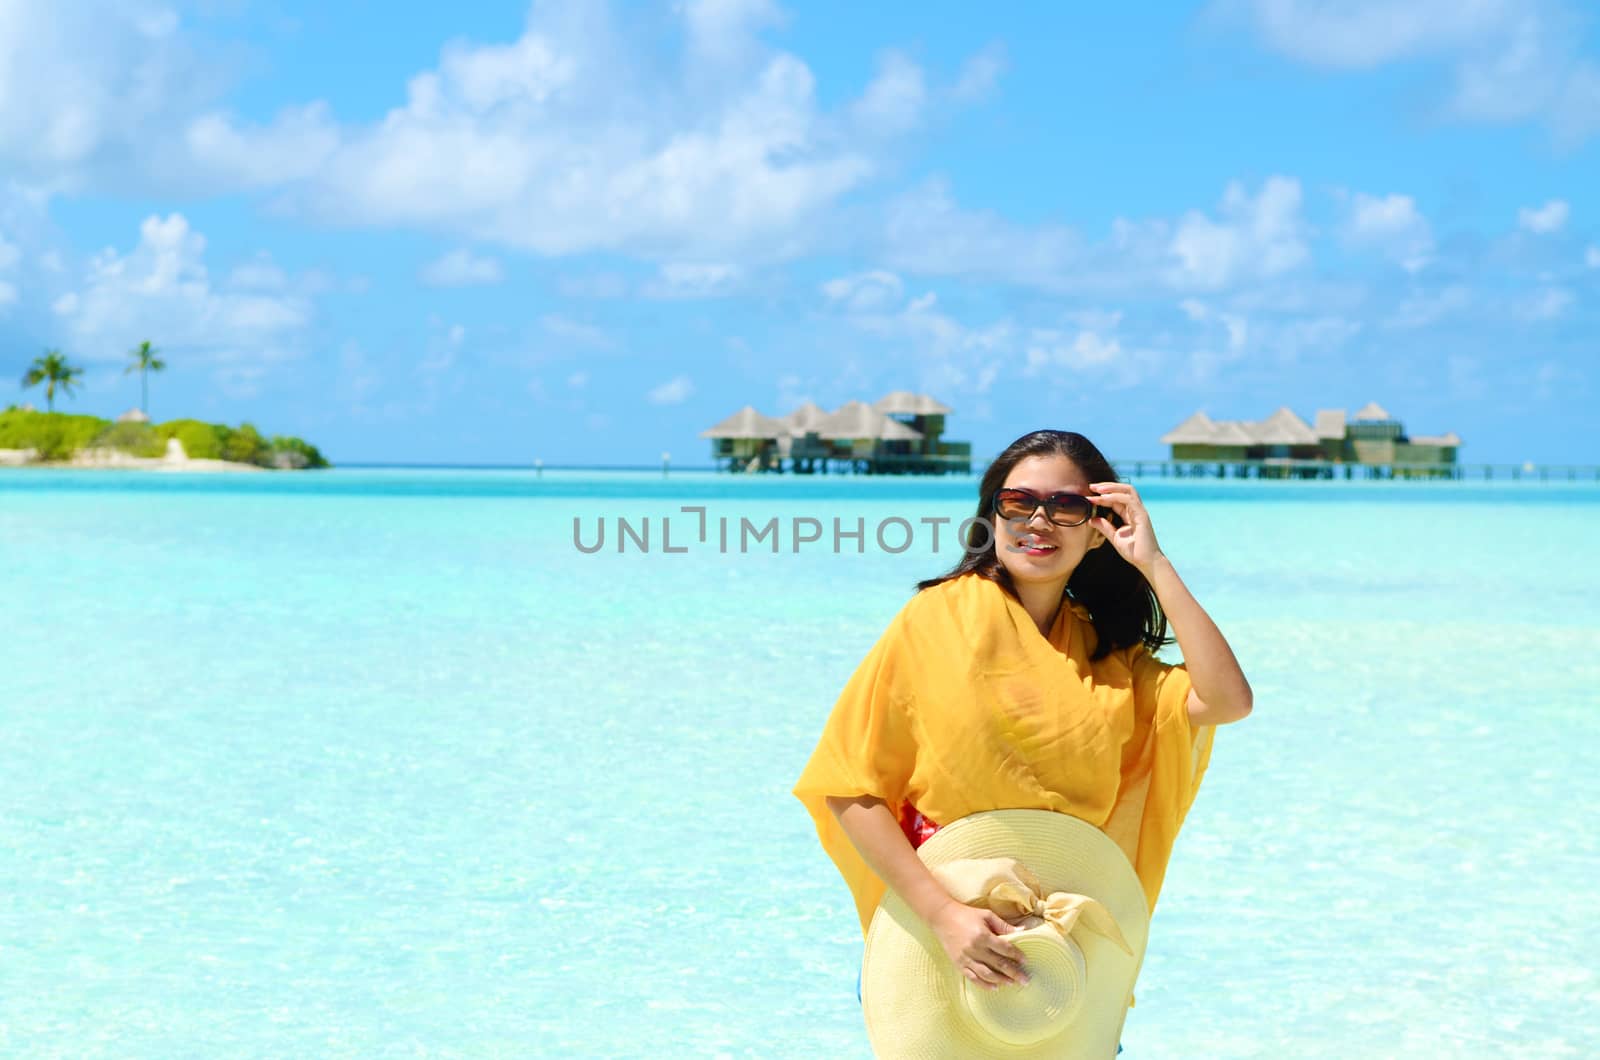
[1050, 506]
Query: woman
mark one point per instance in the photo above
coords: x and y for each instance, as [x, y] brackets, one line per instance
[1024, 679]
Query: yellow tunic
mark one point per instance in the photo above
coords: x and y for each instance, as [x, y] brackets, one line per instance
[963, 706]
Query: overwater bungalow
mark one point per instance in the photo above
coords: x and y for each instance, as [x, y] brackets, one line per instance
[898, 434]
[746, 441]
[1370, 438]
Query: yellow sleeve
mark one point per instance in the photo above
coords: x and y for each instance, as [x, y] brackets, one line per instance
[1181, 752]
[866, 748]
[1160, 688]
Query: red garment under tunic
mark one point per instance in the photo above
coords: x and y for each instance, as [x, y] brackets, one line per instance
[916, 827]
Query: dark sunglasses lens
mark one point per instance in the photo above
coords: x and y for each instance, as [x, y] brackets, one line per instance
[1070, 509]
[1015, 505]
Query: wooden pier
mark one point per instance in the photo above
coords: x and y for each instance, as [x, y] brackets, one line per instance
[1331, 469]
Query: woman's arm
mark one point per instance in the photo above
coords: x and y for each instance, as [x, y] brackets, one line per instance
[970, 936]
[1220, 693]
[1219, 684]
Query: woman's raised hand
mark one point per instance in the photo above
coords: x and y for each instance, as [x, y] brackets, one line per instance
[971, 938]
[1135, 539]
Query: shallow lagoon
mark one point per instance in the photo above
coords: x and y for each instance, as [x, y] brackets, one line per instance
[377, 762]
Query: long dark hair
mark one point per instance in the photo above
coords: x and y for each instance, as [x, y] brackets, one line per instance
[1122, 606]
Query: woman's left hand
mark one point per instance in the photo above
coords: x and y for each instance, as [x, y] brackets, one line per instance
[1135, 539]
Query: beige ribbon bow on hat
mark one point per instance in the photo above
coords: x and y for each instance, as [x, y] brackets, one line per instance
[1005, 887]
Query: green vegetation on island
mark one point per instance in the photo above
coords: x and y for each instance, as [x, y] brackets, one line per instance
[59, 436]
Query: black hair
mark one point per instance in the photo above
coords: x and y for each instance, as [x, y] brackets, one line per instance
[1122, 605]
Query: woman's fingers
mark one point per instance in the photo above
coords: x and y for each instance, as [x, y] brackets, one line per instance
[1116, 493]
[1125, 505]
[1000, 955]
[982, 975]
[1009, 967]
[974, 939]
[994, 970]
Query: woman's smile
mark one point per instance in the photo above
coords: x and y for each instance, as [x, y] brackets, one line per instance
[1033, 545]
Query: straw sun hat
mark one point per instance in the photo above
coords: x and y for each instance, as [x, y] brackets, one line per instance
[1083, 924]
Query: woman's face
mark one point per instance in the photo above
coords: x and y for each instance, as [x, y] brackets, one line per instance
[1036, 549]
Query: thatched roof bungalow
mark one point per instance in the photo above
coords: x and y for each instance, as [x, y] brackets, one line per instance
[899, 432]
[1371, 436]
[747, 439]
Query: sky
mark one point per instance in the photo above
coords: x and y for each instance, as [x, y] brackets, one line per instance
[583, 232]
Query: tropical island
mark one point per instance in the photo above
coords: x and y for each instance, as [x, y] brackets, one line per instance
[58, 439]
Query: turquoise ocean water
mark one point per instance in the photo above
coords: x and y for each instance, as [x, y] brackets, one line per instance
[378, 763]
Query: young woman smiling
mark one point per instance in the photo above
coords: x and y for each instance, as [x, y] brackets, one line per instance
[1025, 678]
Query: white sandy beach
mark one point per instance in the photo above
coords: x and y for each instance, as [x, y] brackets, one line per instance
[113, 459]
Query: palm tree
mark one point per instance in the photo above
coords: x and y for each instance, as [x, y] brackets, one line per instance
[52, 369]
[145, 360]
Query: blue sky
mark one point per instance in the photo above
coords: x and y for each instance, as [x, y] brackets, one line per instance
[581, 232]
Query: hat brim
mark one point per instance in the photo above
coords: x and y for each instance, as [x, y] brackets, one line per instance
[911, 992]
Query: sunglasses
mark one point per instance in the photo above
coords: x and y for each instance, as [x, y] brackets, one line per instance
[1063, 509]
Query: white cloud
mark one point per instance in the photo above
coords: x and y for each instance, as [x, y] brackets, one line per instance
[1427, 307]
[1545, 219]
[893, 102]
[980, 73]
[461, 268]
[951, 355]
[947, 354]
[1591, 257]
[1254, 237]
[577, 135]
[569, 139]
[694, 280]
[674, 391]
[1366, 33]
[1546, 304]
[574, 331]
[926, 233]
[1251, 238]
[358, 377]
[1391, 224]
[1093, 346]
[1236, 327]
[163, 291]
[1288, 341]
[259, 275]
[1509, 60]
[295, 145]
[932, 333]
[1084, 349]
[865, 291]
[723, 33]
[86, 85]
[10, 254]
[1576, 111]
[1206, 356]
[594, 285]
[793, 391]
